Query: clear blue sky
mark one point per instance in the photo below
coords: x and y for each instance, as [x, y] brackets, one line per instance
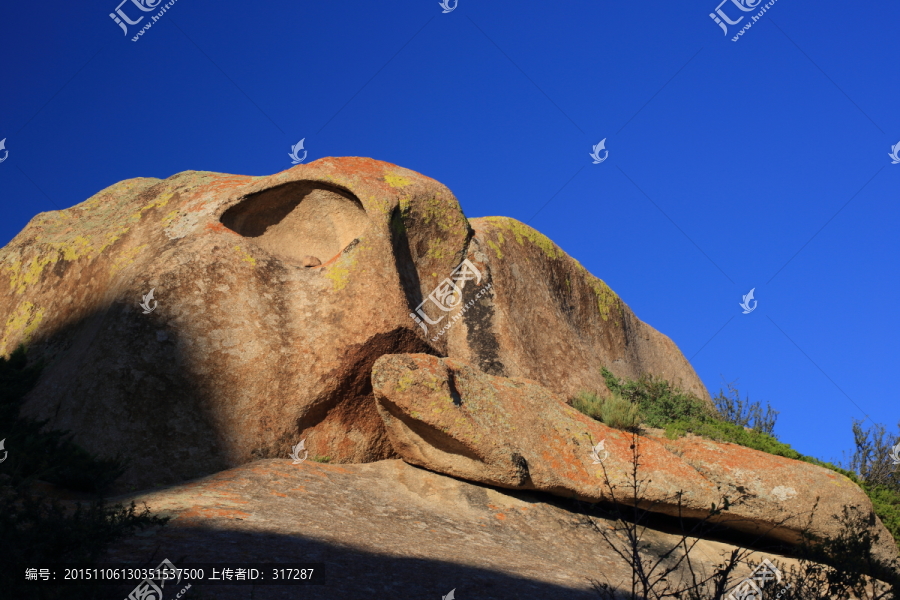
[761, 163]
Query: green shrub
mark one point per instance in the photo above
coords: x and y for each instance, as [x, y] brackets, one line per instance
[665, 407]
[614, 411]
[734, 409]
[658, 402]
[729, 432]
[872, 455]
[886, 503]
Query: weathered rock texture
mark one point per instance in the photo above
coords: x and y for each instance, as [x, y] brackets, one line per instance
[447, 416]
[551, 321]
[388, 530]
[248, 345]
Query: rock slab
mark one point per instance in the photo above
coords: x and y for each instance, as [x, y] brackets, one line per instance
[445, 415]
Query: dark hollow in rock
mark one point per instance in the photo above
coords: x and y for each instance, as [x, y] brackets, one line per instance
[299, 221]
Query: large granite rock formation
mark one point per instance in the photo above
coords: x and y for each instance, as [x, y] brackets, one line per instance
[272, 297]
[447, 416]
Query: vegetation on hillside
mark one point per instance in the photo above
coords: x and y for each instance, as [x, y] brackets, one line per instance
[843, 567]
[736, 420]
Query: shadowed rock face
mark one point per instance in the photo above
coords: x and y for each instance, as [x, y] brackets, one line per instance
[272, 299]
[449, 417]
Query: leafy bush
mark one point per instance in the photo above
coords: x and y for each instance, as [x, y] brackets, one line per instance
[872, 456]
[658, 402]
[742, 413]
[614, 411]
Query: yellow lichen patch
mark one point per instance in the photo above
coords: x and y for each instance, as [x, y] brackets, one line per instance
[20, 326]
[436, 250]
[167, 220]
[20, 278]
[445, 213]
[607, 300]
[523, 232]
[406, 381]
[245, 256]
[339, 272]
[77, 248]
[112, 239]
[160, 200]
[396, 181]
[496, 248]
[125, 258]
